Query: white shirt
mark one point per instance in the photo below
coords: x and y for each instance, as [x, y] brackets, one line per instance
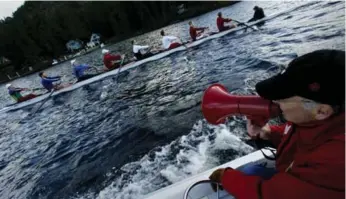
[167, 40]
[139, 48]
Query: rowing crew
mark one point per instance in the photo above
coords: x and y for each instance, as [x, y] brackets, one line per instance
[113, 61]
[170, 41]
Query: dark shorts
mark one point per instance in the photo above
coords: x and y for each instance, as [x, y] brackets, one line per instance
[139, 56]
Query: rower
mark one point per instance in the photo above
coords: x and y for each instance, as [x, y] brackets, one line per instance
[15, 93]
[220, 22]
[111, 61]
[79, 69]
[47, 82]
[140, 52]
[169, 42]
[195, 31]
[259, 14]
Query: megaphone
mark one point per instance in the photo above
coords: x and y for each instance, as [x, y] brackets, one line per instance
[218, 104]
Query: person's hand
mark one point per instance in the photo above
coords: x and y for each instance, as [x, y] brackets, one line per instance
[256, 131]
[217, 175]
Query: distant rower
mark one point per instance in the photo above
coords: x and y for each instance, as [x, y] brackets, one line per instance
[111, 61]
[79, 69]
[220, 22]
[195, 31]
[15, 93]
[140, 52]
[169, 42]
[47, 82]
[259, 14]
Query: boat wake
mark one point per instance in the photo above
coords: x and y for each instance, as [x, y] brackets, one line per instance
[204, 147]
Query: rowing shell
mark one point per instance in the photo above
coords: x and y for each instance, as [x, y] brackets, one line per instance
[135, 64]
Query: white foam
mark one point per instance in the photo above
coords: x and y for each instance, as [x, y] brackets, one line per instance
[103, 95]
[186, 156]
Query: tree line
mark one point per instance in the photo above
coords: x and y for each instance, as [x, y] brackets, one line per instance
[39, 30]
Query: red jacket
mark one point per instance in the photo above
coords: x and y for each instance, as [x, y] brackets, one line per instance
[310, 163]
[220, 23]
[193, 32]
[109, 58]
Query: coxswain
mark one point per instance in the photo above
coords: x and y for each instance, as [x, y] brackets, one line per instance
[259, 14]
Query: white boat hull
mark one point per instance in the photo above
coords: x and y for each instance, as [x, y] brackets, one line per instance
[177, 190]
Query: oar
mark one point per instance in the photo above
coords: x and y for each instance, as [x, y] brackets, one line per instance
[97, 70]
[121, 63]
[51, 93]
[242, 23]
[148, 50]
[182, 42]
[15, 125]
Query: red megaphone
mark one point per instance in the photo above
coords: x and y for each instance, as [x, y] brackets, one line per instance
[218, 104]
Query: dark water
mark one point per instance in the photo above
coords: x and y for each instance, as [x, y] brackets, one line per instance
[128, 137]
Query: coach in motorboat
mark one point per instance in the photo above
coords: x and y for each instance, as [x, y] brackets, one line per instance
[310, 157]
